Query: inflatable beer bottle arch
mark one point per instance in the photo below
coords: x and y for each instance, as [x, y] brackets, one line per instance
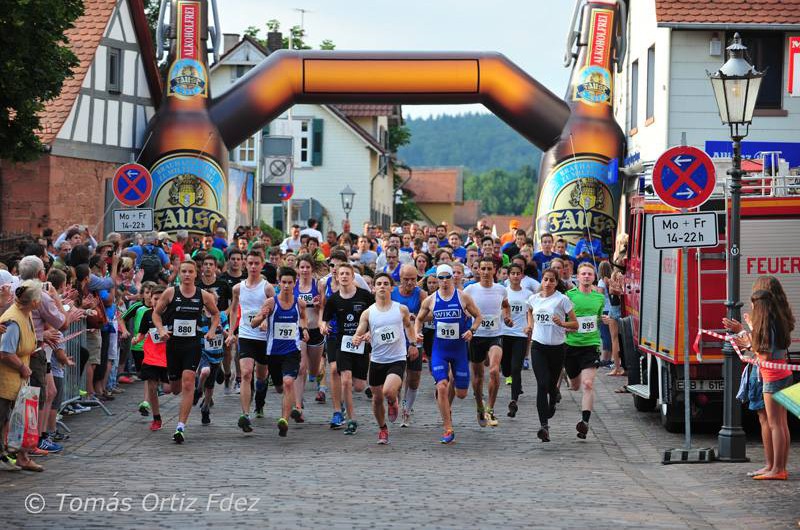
[577, 190]
[184, 151]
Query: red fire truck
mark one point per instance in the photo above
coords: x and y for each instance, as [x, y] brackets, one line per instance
[653, 330]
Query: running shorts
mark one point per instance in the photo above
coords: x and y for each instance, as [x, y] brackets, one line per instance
[378, 372]
[479, 348]
[253, 349]
[578, 358]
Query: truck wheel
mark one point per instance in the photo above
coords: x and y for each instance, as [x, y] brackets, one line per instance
[668, 418]
[644, 405]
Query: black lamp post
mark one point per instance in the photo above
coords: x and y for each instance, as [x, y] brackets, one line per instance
[735, 87]
[348, 196]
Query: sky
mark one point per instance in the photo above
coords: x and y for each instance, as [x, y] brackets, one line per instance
[531, 33]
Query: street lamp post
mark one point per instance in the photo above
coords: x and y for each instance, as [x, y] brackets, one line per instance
[348, 196]
[735, 86]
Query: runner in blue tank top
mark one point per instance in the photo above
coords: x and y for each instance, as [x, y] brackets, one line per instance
[284, 319]
[449, 310]
[311, 363]
[409, 295]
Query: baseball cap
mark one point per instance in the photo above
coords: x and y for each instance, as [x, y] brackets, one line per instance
[444, 268]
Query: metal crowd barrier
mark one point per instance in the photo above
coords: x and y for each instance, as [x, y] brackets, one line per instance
[74, 378]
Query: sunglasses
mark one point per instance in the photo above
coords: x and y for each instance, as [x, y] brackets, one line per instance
[444, 276]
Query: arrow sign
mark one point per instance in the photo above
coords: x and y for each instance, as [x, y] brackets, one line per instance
[684, 177]
[132, 184]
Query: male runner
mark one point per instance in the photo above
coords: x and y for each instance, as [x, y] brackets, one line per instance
[384, 320]
[583, 346]
[234, 273]
[209, 281]
[352, 360]
[210, 371]
[327, 286]
[486, 347]
[250, 296]
[409, 296]
[284, 319]
[181, 307]
[449, 309]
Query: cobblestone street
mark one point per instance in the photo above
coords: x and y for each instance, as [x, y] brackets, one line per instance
[318, 478]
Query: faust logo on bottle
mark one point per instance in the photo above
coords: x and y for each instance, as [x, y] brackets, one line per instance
[187, 75]
[577, 195]
[189, 189]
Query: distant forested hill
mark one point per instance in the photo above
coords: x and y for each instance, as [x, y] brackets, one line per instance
[480, 142]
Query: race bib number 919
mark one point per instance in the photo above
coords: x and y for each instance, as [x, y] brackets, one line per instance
[447, 331]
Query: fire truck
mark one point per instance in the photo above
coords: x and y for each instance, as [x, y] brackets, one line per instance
[653, 330]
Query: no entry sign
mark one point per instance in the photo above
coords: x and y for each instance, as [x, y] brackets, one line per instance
[132, 184]
[684, 177]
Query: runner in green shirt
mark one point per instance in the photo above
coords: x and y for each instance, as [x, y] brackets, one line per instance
[583, 346]
[135, 313]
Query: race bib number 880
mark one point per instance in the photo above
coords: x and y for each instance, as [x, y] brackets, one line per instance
[184, 328]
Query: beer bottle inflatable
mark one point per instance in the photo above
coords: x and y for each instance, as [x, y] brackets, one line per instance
[577, 189]
[184, 151]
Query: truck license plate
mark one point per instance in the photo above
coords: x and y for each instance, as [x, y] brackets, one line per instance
[712, 385]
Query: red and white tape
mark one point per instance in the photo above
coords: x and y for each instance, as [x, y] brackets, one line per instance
[752, 360]
[71, 336]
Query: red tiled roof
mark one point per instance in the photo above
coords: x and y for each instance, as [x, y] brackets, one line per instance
[359, 110]
[83, 41]
[467, 214]
[442, 185]
[729, 12]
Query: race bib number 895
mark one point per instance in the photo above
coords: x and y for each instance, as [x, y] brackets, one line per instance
[587, 324]
[348, 346]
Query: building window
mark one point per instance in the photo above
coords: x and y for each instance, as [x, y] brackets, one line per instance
[766, 53]
[305, 143]
[114, 70]
[238, 71]
[247, 150]
[651, 81]
[634, 118]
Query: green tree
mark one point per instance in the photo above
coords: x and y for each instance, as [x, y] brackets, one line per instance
[296, 33]
[405, 208]
[503, 192]
[35, 61]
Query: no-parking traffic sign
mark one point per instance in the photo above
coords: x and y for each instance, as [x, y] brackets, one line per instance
[684, 177]
[132, 184]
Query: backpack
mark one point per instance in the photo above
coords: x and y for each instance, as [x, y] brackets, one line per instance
[150, 264]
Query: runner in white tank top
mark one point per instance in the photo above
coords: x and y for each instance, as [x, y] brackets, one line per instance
[389, 323]
[249, 297]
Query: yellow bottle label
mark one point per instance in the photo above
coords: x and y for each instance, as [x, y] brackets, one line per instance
[577, 194]
[189, 193]
[187, 74]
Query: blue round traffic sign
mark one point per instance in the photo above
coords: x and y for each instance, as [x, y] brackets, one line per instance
[132, 184]
[684, 177]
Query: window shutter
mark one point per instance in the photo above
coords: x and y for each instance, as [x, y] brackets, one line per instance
[316, 142]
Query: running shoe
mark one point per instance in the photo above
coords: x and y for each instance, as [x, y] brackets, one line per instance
[237, 388]
[352, 426]
[8, 464]
[368, 393]
[582, 427]
[297, 416]
[544, 434]
[179, 436]
[205, 416]
[491, 418]
[512, 408]
[337, 420]
[259, 412]
[51, 447]
[283, 427]
[144, 408]
[59, 436]
[320, 396]
[552, 411]
[125, 380]
[383, 436]
[406, 422]
[448, 437]
[394, 411]
[155, 425]
[526, 364]
[36, 451]
[245, 424]
[117, 390]
[508, 381]
[481, 417]
[198, 393]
